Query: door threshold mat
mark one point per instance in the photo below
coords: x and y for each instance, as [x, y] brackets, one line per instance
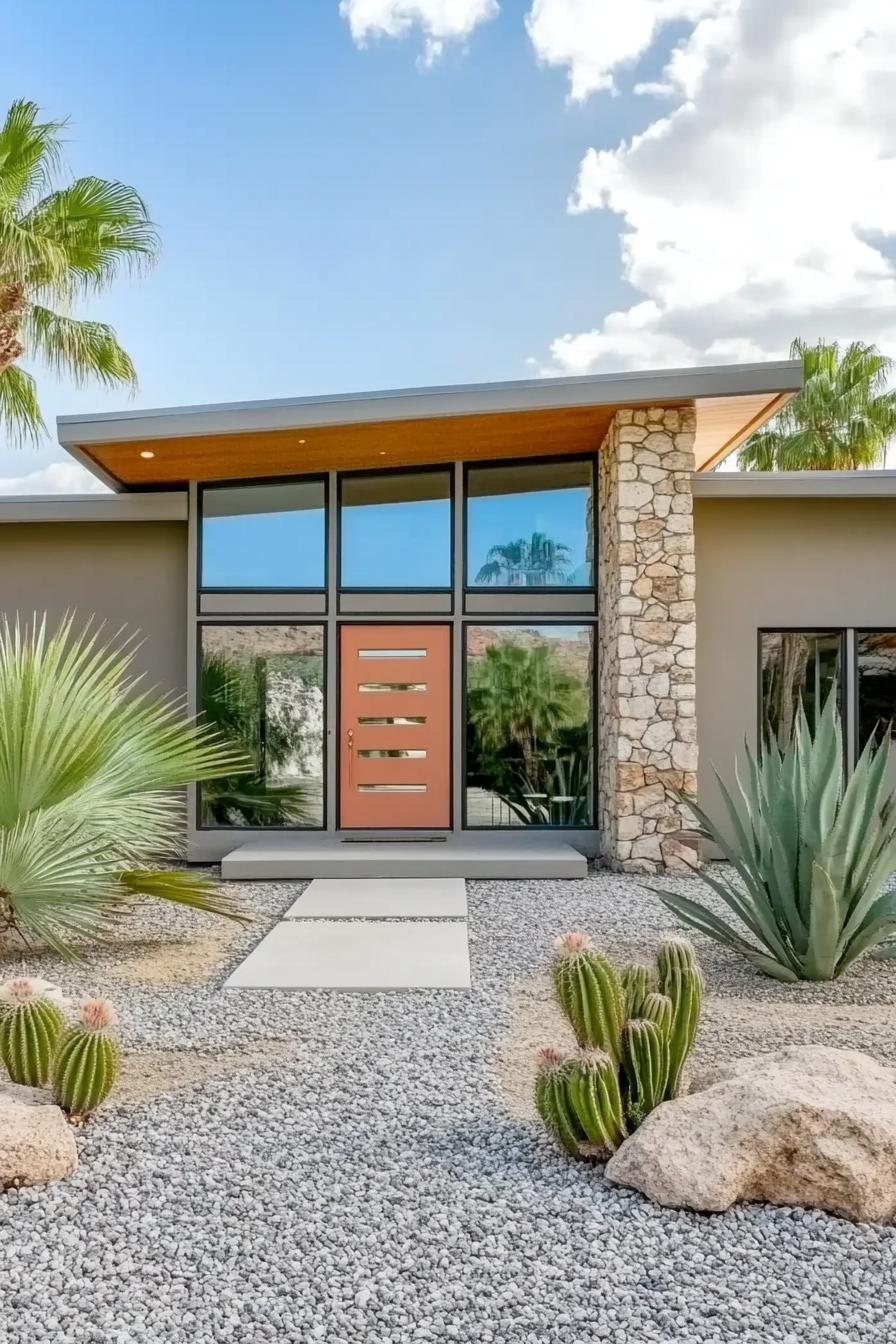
[392, 839]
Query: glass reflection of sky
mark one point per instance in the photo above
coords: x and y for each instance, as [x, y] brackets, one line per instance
[404, 545]
[494, 520]
[264, 550]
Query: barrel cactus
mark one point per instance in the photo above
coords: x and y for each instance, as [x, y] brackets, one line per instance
[86, 1065]
[634, 1030]
[31, 1022]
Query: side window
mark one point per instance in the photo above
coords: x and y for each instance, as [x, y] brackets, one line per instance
[797, 666]
[875, 684]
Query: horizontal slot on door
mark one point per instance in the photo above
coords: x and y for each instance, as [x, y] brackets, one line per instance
[391, 653]
[378, 753]
[394, 721]
[392, 686]
[391, 788]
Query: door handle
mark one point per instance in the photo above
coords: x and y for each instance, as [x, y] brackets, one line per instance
[350, 740]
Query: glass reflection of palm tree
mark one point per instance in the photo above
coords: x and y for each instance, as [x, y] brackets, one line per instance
[522, 705]
[533, 563]
[235, 702]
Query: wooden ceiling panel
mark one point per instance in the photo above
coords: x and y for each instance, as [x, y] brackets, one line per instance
[398, 443]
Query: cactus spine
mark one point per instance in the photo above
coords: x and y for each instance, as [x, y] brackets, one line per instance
[646, 1056]
[637, 982]
[589, 992]
[595, 1098]
[86, 1065]
[30, 1026]
[634, 1032]
[682, 980]
[552, 1100]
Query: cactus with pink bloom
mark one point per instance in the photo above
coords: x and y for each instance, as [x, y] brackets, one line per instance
[31, 1022]
[86, 1065]
[634, 1031]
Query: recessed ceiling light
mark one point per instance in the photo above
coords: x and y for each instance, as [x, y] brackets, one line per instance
[382, 452]
[301, 440]
[146, 452]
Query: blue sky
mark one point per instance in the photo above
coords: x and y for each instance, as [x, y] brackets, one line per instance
[338, 217]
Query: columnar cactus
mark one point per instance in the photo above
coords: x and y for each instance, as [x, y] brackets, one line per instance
[589, 992]
[593, 1091]
[86, 1065]
[658, 1008]
[31, 1022]
[682, 980]
[646, 1063]
[637, 982]
[552, 1100]
[634, 1032]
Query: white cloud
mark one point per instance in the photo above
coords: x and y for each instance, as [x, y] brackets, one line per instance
[59, 478]
[594, 37]
[760, 206]
[440, 21]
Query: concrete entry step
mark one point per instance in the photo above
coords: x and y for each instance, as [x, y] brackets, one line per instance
[290, 857]
[381, 898]
[359, 955]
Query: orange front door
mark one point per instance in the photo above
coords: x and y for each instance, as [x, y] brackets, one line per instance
[395, 726]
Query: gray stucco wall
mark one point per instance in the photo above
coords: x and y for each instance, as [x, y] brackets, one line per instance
[131, 574]
[778, 563]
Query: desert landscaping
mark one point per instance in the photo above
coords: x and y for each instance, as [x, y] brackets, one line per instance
[370, 1166]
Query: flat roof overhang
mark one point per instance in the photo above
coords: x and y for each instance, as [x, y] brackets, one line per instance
[157, 449]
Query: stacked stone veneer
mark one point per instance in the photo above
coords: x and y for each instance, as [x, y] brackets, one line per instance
[647, 726]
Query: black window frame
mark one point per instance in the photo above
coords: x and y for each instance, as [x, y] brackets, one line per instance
[428, 468]
[491, 620]
[321, 477]
[858, 630]
[842, 702]
[509, 464]
[249, 620]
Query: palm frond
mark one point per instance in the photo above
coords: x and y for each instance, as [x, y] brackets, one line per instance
[19, 408]
[103, 228]
[80, 350]
[90, 765]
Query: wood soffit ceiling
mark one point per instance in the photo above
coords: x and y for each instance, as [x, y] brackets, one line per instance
[722, 423]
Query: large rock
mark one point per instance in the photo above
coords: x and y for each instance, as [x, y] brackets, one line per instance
[808, 1125]
[36, 1141]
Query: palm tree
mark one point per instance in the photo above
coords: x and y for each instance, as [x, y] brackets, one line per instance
[58, 244]
[841, 419]
[91, 770]
[535, 563]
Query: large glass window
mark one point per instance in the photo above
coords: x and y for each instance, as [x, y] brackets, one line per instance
[798, 667]
[529, 735]
[875, 684]
[395, 530]
[264, 536]
[529, 525]
[262, 687]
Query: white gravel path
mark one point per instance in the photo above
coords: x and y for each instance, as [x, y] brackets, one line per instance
[371, 1185]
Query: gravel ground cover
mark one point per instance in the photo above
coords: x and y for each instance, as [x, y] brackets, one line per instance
[303, 1166]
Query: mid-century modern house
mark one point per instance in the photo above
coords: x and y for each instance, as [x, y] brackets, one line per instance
[489, 629]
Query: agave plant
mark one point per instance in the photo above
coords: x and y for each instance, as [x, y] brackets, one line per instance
[90, 766]
[813, 853]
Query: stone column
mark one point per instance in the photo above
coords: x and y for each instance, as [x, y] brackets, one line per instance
[647, 729]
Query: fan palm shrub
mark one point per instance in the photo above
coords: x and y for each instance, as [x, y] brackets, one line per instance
[812, 851]
[90, 766]
[60, 242]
